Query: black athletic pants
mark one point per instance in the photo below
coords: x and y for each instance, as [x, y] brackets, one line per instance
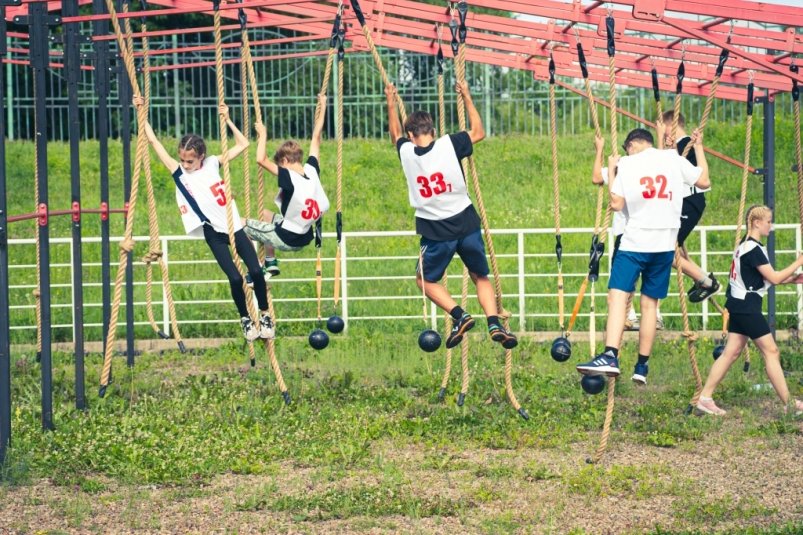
[219, 244]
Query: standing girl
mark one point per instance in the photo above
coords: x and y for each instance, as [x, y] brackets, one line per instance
[202, 203]
[750, 276]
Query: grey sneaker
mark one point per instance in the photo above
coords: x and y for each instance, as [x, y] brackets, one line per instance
[250, 330]
[266, 329]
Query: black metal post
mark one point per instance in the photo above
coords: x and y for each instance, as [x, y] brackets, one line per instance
[124, 93]
[5, 344]
[72, 60]
[39, 63]
[101, 28]
[769, 190]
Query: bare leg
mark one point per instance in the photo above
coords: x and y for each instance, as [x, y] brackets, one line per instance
[689, 267]
[267, 215]
[733, 348]
[437, 294]
[485, 294]
[617, 311]
[772, 362]
[646, 336]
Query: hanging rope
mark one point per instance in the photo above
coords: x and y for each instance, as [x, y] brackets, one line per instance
[339, 137]
[798, 157]
[656, 92]
[462, 9]
[609, 26]
[127, 245]
[246, 50]
[681, 74]
[553, 136]
[709, 101]
[155, 253]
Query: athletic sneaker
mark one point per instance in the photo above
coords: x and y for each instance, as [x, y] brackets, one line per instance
[499, 334]
[249, 281]
[271, 268]
[464, 324]
[708, 406]
[640, 373]
[266, 330]
[659, 323]
[603, 364]
[699, 293]
[632, 324]
[250, 330]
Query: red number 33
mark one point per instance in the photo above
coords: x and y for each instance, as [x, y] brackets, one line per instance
[313, 211]
[649, 188]
[440, 185]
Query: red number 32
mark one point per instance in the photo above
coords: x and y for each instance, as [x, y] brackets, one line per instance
[313, 211]
[649, 188]
[440, 185]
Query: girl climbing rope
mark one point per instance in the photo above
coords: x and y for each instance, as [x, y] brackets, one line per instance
[202, 202]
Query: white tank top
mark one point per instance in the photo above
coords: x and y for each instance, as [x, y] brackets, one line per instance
[206, 187]
[308, 203]
[435, 182]
[738, 288]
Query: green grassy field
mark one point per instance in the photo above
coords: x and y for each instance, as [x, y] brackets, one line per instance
[515, 173]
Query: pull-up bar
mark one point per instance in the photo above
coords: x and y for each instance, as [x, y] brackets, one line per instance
[42, 213]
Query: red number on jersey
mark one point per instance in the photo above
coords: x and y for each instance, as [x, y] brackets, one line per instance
[441, 186]
[183, 208]
[313, 211]
[649, 188]
[220, 195]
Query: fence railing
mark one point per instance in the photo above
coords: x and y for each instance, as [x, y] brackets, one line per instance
[377, 289]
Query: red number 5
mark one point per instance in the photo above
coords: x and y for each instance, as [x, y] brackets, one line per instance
[313, 211]
[220, 195]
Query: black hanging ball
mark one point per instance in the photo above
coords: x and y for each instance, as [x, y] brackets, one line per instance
[718, 350]
[593, 384]
[335, 324]
[561, 349]
[318, 339]
[429, 340]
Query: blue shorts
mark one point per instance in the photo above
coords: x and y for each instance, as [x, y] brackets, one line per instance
[438, 254]
[654, 269]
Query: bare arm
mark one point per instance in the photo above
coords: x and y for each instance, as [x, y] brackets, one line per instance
[704, 181]
[617, 202]
[779, 277]
[241, 142]
[262, 158]
[660, 131]
[596, 176]
[168, 161]
[394, 126]
[477, 131]
[317, 130]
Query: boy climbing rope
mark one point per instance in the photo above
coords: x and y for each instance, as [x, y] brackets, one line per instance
[445, 217]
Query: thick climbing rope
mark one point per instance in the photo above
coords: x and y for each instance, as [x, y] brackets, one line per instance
[709, 101]
[798, 153]
[246, 57]
[553, 137]
[462, 9]
[338, 35]
[155, 253]
[609, 25]
[127, 244]
[681, 74]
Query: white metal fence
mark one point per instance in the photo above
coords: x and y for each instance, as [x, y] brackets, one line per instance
[374, 287]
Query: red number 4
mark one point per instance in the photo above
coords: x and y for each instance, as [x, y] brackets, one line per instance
[219, 193]
[649, 188]
[440, 185]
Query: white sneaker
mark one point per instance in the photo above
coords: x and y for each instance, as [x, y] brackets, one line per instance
[249, 329]
[659, 323]
[266, 329]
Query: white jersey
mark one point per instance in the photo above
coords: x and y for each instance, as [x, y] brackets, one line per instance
[652, 184]
[308, 203]
[435, 182]
[745, 278]
[206, 188]
[618, 219]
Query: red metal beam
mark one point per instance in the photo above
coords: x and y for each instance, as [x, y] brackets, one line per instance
[236, 61]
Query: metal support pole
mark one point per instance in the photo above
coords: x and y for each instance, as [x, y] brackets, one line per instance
[176, 91]
[10, 95]
[39, 64]
[5, 345]
[101, 28]
[769, 190]
[72, 60]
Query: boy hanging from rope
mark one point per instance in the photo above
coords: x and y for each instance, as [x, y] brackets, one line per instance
[693, 207]
[649, 184]
[301, 199]
[445, 217]
[202, 203]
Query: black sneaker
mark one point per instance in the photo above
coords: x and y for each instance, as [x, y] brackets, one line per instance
[271, 268]
[249, 281]
[250, 330]
[602, 364]
[699, 293]
[465, 323]
[499, 334]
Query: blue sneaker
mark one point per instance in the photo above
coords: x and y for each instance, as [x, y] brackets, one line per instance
[602, 364]
[640, 373]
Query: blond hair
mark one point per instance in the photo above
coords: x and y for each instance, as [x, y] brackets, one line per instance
[755, 213]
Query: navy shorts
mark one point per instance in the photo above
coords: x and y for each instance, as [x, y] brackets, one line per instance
[752, 326]
[654, 269]
[438, 254]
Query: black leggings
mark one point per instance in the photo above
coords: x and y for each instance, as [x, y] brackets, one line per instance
[219, 244]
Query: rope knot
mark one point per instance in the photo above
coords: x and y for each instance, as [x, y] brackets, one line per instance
[36, 293]
[690, 335]
[127, 245]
